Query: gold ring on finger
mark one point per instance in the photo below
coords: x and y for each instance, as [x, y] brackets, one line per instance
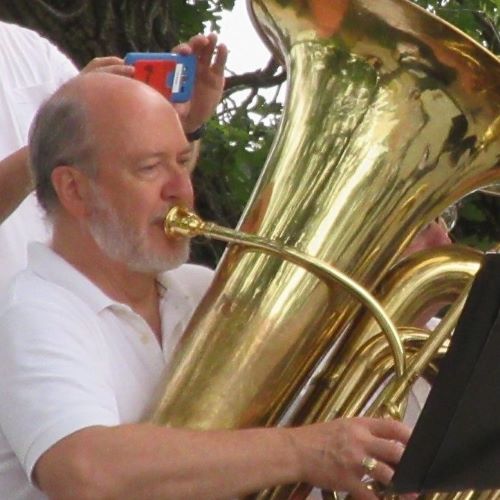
[369, 463]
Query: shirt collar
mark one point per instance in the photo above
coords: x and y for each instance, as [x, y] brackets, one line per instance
[49, 265]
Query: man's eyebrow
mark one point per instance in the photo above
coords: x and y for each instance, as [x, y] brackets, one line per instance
[149, 156]
[159, 155]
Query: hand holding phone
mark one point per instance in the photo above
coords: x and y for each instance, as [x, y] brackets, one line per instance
[170, 74]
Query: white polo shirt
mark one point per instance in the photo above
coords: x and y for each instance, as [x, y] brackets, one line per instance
[71, 358]
[31, 69]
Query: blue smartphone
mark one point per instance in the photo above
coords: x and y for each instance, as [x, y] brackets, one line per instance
[173, 75]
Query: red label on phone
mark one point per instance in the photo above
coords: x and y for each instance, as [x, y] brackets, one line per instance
[154, 73]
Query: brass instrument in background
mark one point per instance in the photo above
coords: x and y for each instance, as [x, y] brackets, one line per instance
[391, 116]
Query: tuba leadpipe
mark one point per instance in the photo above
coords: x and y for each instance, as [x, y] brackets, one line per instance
[180, 221]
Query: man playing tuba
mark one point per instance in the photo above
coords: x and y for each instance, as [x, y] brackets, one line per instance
[90, 326]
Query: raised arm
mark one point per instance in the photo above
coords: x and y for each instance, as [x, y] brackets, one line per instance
[15, 181]
[209, 85]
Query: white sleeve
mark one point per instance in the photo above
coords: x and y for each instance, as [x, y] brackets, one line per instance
[31, 69]
[53, 379]
[60, 65]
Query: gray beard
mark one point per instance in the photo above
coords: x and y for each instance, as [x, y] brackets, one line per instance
[121, 242]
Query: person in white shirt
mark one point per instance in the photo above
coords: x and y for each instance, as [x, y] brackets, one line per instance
[89, 327]
[31, 69]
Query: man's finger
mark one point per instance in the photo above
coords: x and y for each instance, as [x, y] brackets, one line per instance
[220, 59]
[207, 50]
[389, 429]
[198, 43]
[382, 473]
[182, 48]
[99, 62]
[387, 450]
[123, 70]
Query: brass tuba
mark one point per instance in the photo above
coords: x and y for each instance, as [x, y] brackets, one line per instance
[391, 116]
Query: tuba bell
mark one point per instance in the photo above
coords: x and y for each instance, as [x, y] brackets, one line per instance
[391, 116]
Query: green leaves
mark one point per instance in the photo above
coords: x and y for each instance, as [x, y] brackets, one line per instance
[233, 153]
[479, 221]
[192, 17]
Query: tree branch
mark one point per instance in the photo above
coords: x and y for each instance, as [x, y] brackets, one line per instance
[262, 78]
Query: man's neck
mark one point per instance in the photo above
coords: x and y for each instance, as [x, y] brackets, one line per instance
[138, 290]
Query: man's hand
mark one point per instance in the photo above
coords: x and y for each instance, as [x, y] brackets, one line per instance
[434, 234]
[209, 82]
[110, 64]
[332, 454]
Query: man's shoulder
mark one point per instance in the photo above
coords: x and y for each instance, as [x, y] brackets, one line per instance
[21, 33]
[29, 292]
[37, 311]
[22, 45]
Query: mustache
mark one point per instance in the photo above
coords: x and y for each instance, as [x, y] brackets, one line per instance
[159, 219]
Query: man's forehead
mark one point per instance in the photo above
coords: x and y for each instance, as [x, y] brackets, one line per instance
[140, 139]
[118, 118]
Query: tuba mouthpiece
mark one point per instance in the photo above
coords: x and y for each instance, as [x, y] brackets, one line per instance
[179, 221]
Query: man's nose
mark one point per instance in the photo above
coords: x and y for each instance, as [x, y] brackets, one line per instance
[178, 188]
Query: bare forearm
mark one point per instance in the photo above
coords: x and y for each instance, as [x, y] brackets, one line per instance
[15, 181]
[145, 461]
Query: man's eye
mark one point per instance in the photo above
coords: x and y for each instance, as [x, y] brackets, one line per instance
[148, 168]
[185, 160]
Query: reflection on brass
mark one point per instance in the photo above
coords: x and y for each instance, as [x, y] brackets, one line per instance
[493, 190]
[408, 290]
[391, 115]
[182, 222]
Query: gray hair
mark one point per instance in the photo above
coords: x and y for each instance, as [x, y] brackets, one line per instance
[59, 135]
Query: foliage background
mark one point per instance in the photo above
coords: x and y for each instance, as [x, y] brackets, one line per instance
[239, 137]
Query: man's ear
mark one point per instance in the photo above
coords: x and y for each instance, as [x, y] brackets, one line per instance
[72, 188]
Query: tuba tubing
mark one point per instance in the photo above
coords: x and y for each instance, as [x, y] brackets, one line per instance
[421, 279]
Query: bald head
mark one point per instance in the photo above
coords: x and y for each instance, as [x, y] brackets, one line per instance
[106, 95]
[81, 117]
